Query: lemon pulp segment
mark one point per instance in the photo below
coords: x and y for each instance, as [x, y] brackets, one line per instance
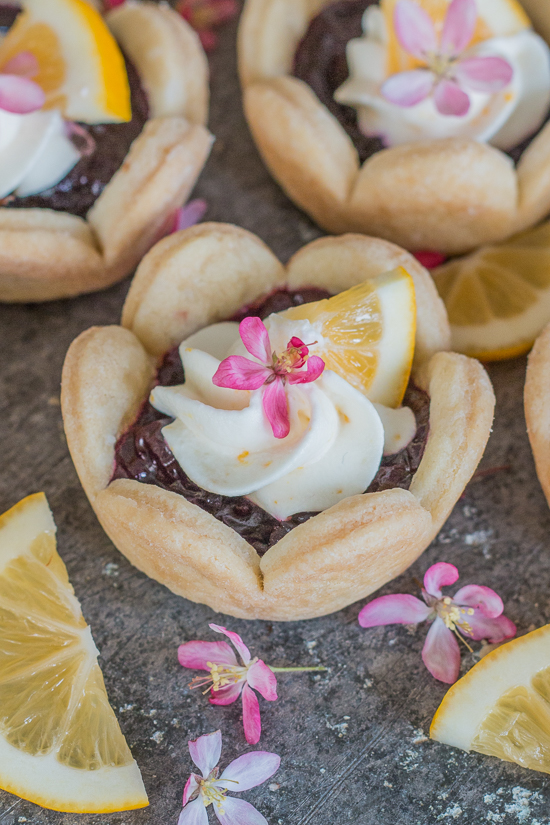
[60, 743]
[368, 334]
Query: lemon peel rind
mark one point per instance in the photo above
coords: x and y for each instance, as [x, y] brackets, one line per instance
[75, 791]
[470, 700]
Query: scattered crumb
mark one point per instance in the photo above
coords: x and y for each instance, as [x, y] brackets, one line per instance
[322, 770]
[151, 713]
[410, 760]
[347, 717]
[392, 641]
[274, 786]
[310, 647]
[126, 708]
[452, 812]
[110, 569]
[387, 784]
[419, 736]
[175, 723]
[469, 510]
[22, 819]
[157, 737]
[367, 683]
[520, 808]
[341, 728]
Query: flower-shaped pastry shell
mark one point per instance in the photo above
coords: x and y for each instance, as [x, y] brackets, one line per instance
[46, 255]
[203, 275]
[448, 195]
[537, 407]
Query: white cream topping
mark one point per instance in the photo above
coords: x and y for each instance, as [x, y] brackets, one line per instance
[223, 441]
[35, 153]
[504, 119]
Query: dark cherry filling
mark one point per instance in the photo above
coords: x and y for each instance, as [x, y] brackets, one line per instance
[142, 454]
[320, 61]
[77, 192]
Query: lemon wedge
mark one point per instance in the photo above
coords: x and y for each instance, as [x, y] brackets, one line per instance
[502, 706]
[60, 743]
[367, 334]
[81, 67]
[495, 18]
[498, 298]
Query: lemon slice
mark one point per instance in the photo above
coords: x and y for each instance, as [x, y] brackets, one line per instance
[367, 334]
[502, 706]
[496, 18]
[81, 67]
[498, 299]
[60, 743]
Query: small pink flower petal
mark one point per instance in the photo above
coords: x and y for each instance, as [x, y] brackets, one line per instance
[493, 629]
[20, 95]
[450, 99]
[239, 373]
[396, 609]
[239, 812]
[227, 695]
[190, 787]
[112, 4]
[194, 813]
[251, 716]
[439, 575]
[408, 88]
[276, 408]
[205, 751]
[242, 649]
[459, 26]
[189, 215]
[23, 64]
[195, 655]
[475, 595]
[255, 337]
[414, 28]
[441, 653]
[250, 770]
[314, 369]
[484, 74]
[261, 678]
[429, 258]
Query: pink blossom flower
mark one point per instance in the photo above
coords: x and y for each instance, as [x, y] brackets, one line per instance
[227, 679]
[273, 371]
[474, 612]
[429, 258]
[243, 773]
[18, 93]
[449, 73]
[206, 15]
[112, 4]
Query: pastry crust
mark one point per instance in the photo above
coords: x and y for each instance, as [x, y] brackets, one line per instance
[45, 254]
[450, 195]
[537, 400]
[200, 276]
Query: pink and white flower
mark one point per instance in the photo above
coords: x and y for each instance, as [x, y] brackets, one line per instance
[243, 773]
[18, 93]
[448, 72]
[474, 612]
[228, 679]
[271, 372]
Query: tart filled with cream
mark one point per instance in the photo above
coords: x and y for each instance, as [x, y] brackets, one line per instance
[424, 70]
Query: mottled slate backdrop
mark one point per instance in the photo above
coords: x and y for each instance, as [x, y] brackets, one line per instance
[352, 741]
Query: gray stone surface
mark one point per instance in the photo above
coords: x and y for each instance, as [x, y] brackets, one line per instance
[352, 741]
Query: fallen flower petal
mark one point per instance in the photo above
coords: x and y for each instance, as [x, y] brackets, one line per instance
[475, 612]
[227, 679]
[246, 772]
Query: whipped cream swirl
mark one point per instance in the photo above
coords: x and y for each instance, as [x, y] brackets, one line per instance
[504, 118]
[224, 442]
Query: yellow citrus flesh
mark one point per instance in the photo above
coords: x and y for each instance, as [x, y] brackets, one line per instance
[498, 299]
[367, 334]
[496, 18]
[81, 67]
[502, 706]
[60, 743]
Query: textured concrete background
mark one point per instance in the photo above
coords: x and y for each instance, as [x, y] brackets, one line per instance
[353, 740]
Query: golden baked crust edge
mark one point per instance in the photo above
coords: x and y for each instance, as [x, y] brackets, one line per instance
[45, 255]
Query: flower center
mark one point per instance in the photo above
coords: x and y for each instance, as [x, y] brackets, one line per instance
[211, 793]
[440, 64]
[293, 358]
[453, 615]
[220, 676]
